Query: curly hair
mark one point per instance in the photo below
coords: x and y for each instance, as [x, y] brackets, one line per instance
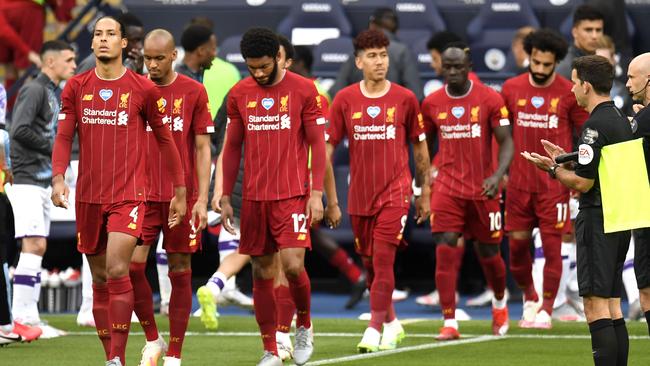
[370, 39]
[259, 42]
[546, 40]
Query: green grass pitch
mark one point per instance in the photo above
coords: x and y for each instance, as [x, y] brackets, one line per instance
[237, 343]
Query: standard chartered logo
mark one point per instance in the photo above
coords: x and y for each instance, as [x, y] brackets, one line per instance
[476, 130]
[374, 132]
[178, 124]
[269, 123]
[285, 122]
[390, 132]
[122, 119]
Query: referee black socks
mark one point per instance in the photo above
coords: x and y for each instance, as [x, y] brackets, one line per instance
[603, 342]
[622, 341]
[647, 318]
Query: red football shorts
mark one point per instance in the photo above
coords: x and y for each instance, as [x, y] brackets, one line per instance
[181, 239]
[479, 219]
[27, 18]
[269, 226]
[547, 210]
[387, 225]
[96, 220]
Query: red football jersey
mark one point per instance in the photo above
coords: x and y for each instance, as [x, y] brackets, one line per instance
[273, 119]
[186, 115]
[465, 128]
[549, 113]
[379, 130]
[109, 116]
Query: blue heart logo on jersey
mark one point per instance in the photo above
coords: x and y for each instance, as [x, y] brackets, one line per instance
[267, 103]
[458, 111]
[537, 101]
[373, 111]
[105, 94]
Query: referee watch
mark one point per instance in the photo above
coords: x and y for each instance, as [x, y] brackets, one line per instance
[552, 171]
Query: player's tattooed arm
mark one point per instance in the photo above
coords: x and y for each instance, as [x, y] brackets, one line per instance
[332, 210]
[422, 165]
[506, 151]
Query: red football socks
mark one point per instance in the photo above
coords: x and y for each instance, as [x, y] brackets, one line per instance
[494, 269]
[143, 305]
[381, 290]
[285, 308]
[300, 288]
[552, 245]
[265, 313]
[180, 307]
[521, 267]
[446, 278]
[120, 308]
[100, 313]
[342, 261]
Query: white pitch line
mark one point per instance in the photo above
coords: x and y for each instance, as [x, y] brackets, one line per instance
[402, 350]
[354, 335]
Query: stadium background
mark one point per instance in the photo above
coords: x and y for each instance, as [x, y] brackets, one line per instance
[477, 21]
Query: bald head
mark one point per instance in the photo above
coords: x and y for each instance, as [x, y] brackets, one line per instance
[159, 56]
[160, 38]
[638, 77]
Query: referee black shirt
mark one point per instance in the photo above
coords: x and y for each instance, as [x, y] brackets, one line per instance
[641, 128]
[606, 126]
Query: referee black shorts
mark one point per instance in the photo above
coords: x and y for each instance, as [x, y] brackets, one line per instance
[600, 256]
[642, 256]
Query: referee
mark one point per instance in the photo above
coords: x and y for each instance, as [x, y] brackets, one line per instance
[600, 255]
[638, 78]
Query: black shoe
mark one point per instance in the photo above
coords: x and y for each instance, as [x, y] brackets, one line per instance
[356, 293]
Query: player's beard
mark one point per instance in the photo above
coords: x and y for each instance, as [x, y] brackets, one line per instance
[272, 75]
[539, 78]
[106, 59]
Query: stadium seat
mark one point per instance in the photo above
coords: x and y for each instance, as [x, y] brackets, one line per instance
[551, 13]
[423, 58]
[417, 19]
[497, 21]
[343, 234]
[330, 54]
[311, 21]
[229, 51]
[488, 58]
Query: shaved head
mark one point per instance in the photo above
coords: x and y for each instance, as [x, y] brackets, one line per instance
[455, 69]
[159, 56]
[160, 38]
[641, 63]
[638, 77]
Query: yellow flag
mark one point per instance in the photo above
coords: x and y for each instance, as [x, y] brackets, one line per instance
[624, 186]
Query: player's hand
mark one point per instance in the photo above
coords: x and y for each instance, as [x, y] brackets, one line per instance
[177, 207]
[60, 192]
[332, 215]
[9, 176]
[199, 219]
[422, 206]
[637, 108]
[542, 162]
[216, 200]
[136, 58]
[227, 215]
[491, 186]
[552, 150]
[314, 207]
[34, 58]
